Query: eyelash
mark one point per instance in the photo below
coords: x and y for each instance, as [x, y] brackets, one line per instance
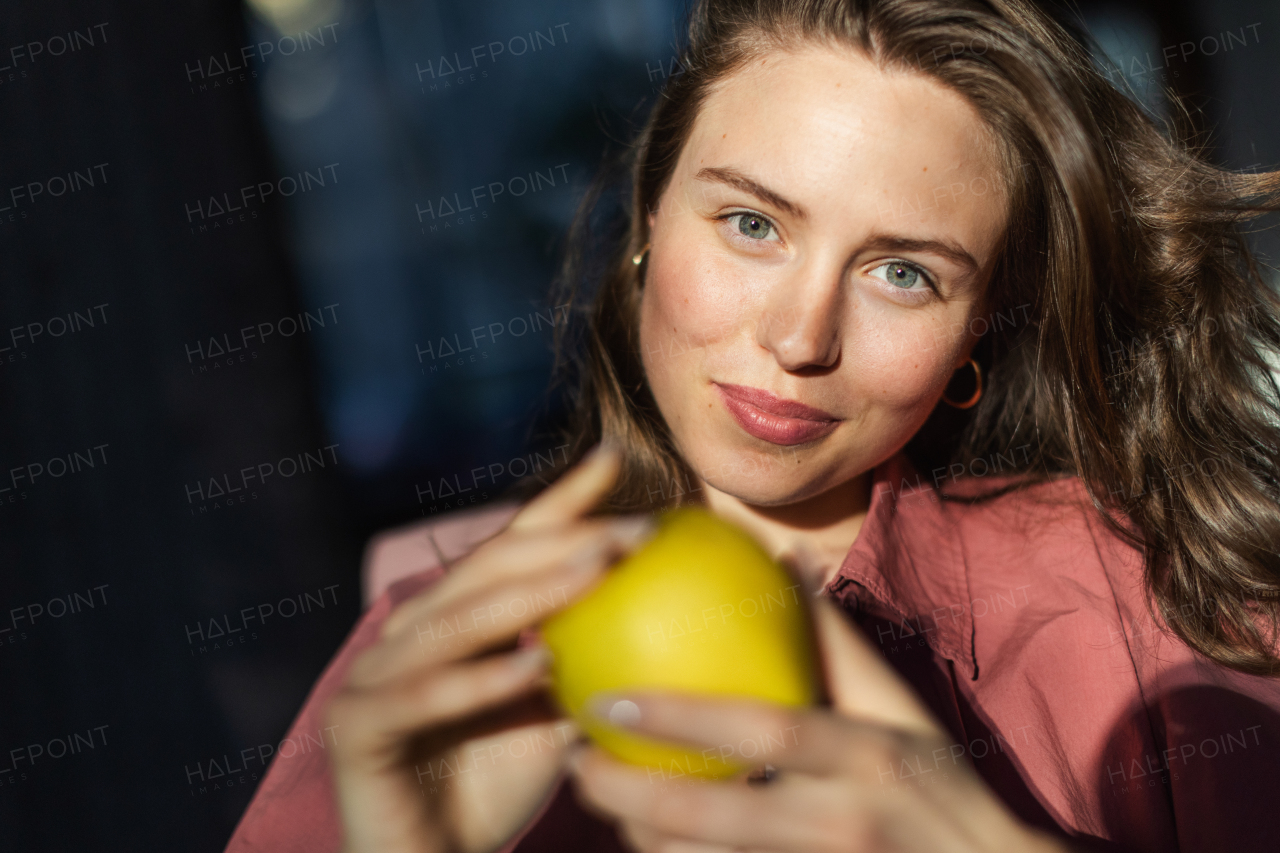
[921, 271]
[773, 226]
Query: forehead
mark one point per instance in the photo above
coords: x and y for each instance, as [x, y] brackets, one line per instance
[828, 127]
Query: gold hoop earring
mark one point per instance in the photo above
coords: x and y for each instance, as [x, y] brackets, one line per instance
[638, 257]
[977, 391]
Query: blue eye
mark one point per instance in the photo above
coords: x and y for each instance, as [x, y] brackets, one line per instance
[754, 225]
[902, 275]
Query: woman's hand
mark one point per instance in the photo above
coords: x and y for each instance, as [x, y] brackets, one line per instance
[873, 773]
[443, 745]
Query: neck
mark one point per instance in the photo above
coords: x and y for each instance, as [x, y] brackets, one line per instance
[812, 535]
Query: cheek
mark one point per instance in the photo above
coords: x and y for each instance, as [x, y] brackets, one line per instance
[690, 305]
[904, 363]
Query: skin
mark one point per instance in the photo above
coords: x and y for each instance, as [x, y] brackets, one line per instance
[409, 705]
[810, 315]
[844, 151]
[807, 312]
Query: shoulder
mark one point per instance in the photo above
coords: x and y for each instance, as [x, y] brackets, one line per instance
[1050, 531]
[1048, 572]
[401, 553]
[1116, 727]
[1132, 727]
[293, 808]
[1059, 505]
[1051, 585]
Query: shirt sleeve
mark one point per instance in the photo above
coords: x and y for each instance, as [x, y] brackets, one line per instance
[1192, 760]
[294, 807]
[1219, 737]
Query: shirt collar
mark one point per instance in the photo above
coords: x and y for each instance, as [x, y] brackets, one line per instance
[908, 560]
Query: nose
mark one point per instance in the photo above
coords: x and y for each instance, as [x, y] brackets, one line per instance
[800, 320]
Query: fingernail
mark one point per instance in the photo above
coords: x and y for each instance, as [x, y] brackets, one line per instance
[631, 530]
[615, 710]
[532, 659]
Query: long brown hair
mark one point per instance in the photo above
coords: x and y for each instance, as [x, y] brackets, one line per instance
[1140, 365]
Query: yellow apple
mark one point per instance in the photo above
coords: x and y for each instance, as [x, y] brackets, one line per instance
[700, 608]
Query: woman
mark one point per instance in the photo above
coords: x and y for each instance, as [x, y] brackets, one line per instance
[1067, 633]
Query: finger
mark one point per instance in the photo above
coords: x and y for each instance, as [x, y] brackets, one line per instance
[640, 837]
[859, 801]
[375, 722]
[511, 558]
[646, 839]
[714, 814]
[749, 732]
[735, 731]
[487, 619]
[516, 557]
[861, 682]
[499, 780]
[574, 494]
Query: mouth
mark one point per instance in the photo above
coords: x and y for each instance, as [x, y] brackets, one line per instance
[775, 420]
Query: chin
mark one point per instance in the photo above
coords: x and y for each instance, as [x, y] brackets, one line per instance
[768, 486]
[763, 497]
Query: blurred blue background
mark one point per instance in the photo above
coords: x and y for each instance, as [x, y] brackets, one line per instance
[466, 135]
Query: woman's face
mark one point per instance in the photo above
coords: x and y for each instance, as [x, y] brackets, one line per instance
[824, 242]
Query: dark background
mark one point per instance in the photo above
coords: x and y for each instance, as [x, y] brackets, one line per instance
[159, 106]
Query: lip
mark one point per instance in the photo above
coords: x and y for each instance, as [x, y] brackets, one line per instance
[774, 419]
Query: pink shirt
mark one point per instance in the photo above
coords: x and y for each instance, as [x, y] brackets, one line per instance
[1020, 621]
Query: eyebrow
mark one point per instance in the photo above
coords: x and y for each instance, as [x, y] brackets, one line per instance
[736, 179]
[948, 249]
